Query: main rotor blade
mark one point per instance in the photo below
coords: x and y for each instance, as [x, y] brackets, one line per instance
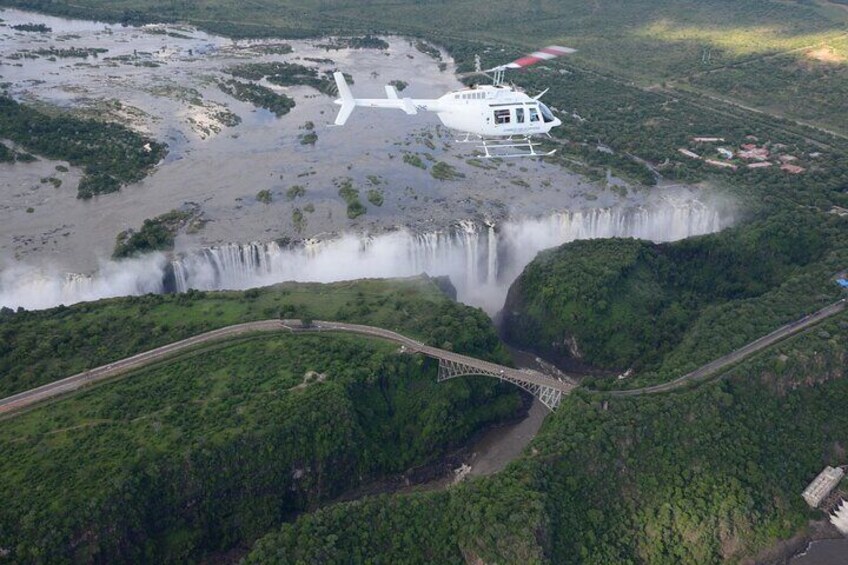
[545, 54]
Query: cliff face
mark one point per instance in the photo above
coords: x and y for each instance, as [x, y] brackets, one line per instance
[587, 302]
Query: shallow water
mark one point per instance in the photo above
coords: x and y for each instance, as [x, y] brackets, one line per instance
[824, 552]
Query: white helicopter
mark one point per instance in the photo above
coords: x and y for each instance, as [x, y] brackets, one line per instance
[501, 117]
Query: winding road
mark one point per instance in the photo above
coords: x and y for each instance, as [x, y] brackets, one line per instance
[73, 383]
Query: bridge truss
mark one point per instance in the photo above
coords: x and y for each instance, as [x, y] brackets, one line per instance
[547, 395]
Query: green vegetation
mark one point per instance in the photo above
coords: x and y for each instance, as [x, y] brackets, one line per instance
[295, 191]
[443, 171]
[350, 195]
[428, 49]
[37, 28]
[264, 196]
[706, 476]
[665, 309]
[71, 52]
[41, 346]
[286, 74]
[109, 154]
[205, 453]
[400, 85]
[156, 234]
[298, 220]
[272, 48]
[414, 160]
[308, 138]
[375, 197]
[364, 42]
[258, 95]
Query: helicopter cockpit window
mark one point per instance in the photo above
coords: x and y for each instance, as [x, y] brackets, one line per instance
[534, 114]
[501, 116]
[519, 115]
[546, 113]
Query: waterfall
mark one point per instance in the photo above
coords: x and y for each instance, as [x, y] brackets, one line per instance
[482, 259]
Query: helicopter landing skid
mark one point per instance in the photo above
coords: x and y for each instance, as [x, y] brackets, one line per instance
[504, 147]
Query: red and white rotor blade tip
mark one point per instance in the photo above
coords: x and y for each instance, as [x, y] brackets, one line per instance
[545, 54]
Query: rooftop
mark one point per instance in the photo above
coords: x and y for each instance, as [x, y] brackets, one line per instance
[821, 486]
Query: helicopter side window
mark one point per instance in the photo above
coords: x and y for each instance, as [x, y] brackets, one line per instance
[534, 114]
[519, 115]
[501, 117]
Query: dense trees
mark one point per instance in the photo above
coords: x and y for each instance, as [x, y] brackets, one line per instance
[209, 451]
[625, 303]
[110, 154]
[705, 476]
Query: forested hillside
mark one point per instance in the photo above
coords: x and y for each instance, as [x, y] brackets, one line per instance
[706, 476]
[203, 454]
[663, 310]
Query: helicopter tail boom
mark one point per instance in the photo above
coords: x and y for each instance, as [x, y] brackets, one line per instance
[348, 102]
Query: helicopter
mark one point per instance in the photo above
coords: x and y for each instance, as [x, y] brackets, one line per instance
[500, 118]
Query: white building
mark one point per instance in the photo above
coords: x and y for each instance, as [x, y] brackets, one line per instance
[821, 486]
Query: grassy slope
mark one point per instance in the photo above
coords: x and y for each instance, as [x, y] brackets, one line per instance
[704, 476]
[39, 347]
[209, 451]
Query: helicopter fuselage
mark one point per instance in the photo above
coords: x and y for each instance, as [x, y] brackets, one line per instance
[486, 110]
[492, 111]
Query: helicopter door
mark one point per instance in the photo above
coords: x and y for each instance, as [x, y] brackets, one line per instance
[534, 114]
[502, 117]
[519, 115]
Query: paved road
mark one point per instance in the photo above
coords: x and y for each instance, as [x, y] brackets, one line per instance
[28, 398]
[723, 362]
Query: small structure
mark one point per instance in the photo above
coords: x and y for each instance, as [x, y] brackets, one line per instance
[821, 486]
[707, 139]
[715, 163]
[755, 153]
[793, 169]
[842, 282]
[689, 153]
[760, 165]
[725, 152]
[787, 158]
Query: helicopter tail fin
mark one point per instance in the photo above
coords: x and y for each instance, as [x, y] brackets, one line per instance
[347, 102]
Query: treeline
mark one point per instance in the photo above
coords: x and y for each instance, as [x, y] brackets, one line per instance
[111, 155]
[712, 475]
